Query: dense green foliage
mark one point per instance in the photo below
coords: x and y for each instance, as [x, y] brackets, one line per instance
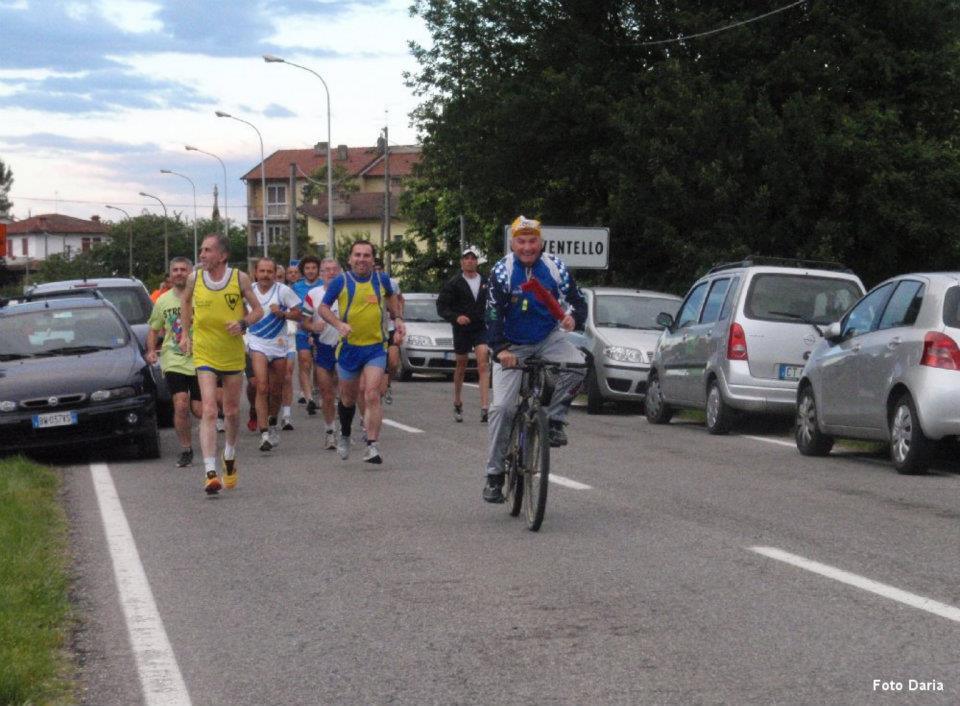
[827, 131]
[6, 182]
[34, 606]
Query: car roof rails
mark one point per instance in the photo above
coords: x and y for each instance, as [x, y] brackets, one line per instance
[40, 296]
[757, 260]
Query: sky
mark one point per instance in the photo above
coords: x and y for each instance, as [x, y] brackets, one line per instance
[97, 96]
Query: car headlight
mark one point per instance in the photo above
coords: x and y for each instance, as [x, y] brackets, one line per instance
[624, 355]
[419, 341]
[114, 393]
[8, 406]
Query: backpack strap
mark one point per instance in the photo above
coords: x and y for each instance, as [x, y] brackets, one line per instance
[351, 286]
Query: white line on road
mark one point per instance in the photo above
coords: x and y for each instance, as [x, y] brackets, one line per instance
[159, 673]
[881, 589]
[568, 483]
[767, 440]
[404, 427]
[472, 384]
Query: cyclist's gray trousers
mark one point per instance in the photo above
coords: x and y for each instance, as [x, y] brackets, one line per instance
[506, 387]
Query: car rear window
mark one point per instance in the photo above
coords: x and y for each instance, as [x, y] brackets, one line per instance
[951, 307]
[797, 298]
[132, 304]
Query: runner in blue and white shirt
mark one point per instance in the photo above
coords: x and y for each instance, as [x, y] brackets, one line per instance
[267, 345]
[325, 340]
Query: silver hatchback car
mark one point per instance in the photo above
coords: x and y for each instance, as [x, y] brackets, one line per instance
[742, 336]
[888, 371]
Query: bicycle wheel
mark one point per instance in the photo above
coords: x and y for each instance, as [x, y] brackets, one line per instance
[512, 483]
[536, 469]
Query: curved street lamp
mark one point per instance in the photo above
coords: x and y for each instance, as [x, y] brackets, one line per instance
[129, 234]
[263, 176]
[194, 187]
[226, 212]
[166, 239]
[271, 59]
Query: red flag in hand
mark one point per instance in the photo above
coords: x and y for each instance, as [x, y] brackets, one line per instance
[543, 295]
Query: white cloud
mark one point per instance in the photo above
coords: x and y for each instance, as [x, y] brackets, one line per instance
[135, 16]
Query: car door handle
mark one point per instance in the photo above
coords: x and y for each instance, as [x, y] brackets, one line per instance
[893, 342]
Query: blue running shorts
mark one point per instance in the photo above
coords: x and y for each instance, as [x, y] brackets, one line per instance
[351, 360]
[325, 356]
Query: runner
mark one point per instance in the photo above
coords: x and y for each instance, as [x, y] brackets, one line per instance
[310, 270]
[393, 350]
[361, 296]
[463, 301]
[325, 339]
[215, 296]
[178, 369]
[268, 347]
[286, 424]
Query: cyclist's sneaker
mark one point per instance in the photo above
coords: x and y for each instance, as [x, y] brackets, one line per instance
[274, 436]
[265, 444]
[252, 424]
[343, 447]
[311, 407]
[484, 416]
[372, 454]
[230, 473]
[185, 459]
[212, 484]
[286, 424]
[493, 490]
[388, 396]
[458, 412]
[220, 426]
[558, 437]
[330, 440]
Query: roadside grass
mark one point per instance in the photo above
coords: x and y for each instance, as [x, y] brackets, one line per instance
[34, 602]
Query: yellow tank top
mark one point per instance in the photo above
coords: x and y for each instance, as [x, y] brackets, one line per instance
[363, 311]
[213, 346]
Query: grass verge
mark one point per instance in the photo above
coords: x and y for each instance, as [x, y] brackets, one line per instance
[34, 602]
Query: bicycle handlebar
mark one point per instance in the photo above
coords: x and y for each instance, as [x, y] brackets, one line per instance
[533, 363]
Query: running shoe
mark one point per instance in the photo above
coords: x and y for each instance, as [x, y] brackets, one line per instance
[372, 454]
[311, 407]
[274, 436]
[343, 447]
[220, 427]
[252, 424]
[484, 416]
[265, 444]
[230, 473]
[493, 490]
[185, 458]
[330, 440]
[388, 396]
[212, 485]
[458, 412]
[558, 437]
[286, 424]
[302, 400]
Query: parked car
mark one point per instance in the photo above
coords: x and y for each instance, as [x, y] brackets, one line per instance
[887, 371]
[131, 299]
[73, 374]
[428, 346]
[742, 337]
[621, 334]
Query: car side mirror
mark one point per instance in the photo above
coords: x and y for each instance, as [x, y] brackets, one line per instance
[832, 332]
[665, 320]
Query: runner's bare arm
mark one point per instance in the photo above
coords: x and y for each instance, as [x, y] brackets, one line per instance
[326, 313]
[255, 311]
[395, 305]
[151, 356]
[186, 314]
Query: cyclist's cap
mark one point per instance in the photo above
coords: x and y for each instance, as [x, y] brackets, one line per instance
[470, 252]
[524, 226]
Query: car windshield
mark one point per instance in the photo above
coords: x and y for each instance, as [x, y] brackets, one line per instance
[420, 310]
[49, 332]
[630, 311]
[800, 298]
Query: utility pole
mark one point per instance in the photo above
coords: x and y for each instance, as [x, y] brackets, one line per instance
[293, 211]
[385, 231]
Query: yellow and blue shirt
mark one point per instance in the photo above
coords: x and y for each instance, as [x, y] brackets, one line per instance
[360, 302]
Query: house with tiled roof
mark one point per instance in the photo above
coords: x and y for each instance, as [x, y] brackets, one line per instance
[358, 204]
[34, 239]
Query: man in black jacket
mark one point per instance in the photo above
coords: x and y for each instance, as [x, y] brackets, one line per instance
[463, 302]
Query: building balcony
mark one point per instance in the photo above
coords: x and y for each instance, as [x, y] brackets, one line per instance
[278, 211]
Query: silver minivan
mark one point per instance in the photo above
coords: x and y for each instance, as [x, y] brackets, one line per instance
[887, 371]
[742, 337]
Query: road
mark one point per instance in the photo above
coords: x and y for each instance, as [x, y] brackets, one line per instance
[319, 581]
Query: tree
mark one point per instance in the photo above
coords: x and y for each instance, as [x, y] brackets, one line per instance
[6, 181]
[343, 183]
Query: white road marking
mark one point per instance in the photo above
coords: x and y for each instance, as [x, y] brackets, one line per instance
[767, 440]
[157, 666]
[404, 427]
[472, 384]
[568, 483]
[881, 589]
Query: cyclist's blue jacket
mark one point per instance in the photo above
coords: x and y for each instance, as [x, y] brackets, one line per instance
[515, 316]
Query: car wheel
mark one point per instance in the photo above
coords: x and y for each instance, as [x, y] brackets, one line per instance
[910, 449]
[657, 411]
[594, 398]
[810, 440]
[719, 414]
[148, 445]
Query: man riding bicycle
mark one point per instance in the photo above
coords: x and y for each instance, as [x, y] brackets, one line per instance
[533, 301]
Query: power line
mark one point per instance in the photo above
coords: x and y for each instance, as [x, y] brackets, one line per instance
[685, 37]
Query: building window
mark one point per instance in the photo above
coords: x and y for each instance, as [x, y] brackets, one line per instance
[276, 201]
[275, 234]
[25, 250]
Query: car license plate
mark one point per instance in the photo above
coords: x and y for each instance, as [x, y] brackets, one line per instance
[54, 419]
[790, 372]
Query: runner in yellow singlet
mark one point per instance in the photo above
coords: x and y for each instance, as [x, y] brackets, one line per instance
[214, 320]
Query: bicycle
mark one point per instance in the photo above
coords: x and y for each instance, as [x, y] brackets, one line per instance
[527, 461]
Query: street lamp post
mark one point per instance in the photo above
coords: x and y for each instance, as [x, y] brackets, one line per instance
[226, 212]
[271, 59]
[129, 234]
[194, 187]
[263, 177]
[166, 239]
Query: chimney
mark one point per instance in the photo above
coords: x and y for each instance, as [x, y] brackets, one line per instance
[342, 153]
[320, 149]
[95, 218]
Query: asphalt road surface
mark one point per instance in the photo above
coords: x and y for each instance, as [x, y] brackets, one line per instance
[693, 569]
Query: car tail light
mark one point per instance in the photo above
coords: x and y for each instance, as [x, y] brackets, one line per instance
[940, 351]
[737, 343]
